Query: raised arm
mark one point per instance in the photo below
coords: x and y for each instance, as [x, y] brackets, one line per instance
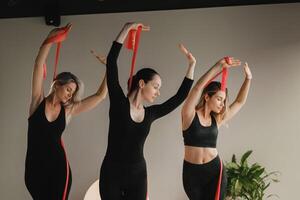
[114, 88]
[37, 93]
[92, 101]
[188, 109]
[172, 103]
[241, 97]
[126, 28]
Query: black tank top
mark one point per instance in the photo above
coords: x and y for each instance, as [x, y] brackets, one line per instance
[201, 136]
[44, 137]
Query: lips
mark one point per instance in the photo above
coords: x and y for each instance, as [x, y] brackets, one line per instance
[66, 99]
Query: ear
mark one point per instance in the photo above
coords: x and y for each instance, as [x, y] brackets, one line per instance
[142, 83]
[206, 97]
[55, 86]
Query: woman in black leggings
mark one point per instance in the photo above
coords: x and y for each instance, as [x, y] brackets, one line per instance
[123, 172]
[47, 170]
[204, 111]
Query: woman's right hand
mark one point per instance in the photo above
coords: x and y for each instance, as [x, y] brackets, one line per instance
[247, 71]
[100, 57]
[229, 62]
[56, 31]
[189, 55]
[135, 25]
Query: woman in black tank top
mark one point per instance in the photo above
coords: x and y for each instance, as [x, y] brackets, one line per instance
[47, 171]
[204, 111]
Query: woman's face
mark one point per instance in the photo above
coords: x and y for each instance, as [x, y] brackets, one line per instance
[150, 90]
[66, 91]
[216, 102]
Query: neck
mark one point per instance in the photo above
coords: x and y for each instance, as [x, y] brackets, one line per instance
[53, 100]
[205, 111]
[136, 99]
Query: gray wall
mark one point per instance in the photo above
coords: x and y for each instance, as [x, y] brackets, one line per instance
[265, 36]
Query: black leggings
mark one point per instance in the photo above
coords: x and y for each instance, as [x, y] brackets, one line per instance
[123, 181]
[200, 181]
[48, 184]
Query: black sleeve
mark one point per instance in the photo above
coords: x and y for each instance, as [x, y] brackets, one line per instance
[160, 110]
[114, 89]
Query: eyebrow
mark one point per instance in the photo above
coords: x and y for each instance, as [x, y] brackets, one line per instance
[70, 88]
[156, 84]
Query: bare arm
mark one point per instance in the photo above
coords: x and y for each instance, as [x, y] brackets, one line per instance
[172, 103]
[92, 101]
[125, 30]
[191, 61]
[241, 97]
[188, 109]
[37, 93]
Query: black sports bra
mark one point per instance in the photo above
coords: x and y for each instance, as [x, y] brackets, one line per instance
[201, 136]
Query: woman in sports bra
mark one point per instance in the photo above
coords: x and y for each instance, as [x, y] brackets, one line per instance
[47, 171]
[203, 112]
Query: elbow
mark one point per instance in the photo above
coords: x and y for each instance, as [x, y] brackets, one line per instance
[102, 95]
[241, 102]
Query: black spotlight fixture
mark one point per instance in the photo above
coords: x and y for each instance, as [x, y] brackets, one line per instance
[52, 13]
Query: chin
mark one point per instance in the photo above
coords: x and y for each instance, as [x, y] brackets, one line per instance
[151, 100]
[218, 111]
[64, 101]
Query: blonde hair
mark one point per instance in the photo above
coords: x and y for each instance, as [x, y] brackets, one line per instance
[65, 78]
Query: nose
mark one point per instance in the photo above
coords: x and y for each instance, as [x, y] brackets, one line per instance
[158, 93]
[222, 104]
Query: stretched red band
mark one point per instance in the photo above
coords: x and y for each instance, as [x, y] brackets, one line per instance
[133, 44]
[224, 73]
[56, 39]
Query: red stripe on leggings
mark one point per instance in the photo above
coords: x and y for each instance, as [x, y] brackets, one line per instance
[217, 196]
[67, 169]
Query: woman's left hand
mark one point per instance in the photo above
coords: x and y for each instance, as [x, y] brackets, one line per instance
[189, 55]
[247, 71]
[101, 58]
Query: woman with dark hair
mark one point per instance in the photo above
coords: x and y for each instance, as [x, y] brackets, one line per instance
[123, 172]
[47, 171]
[203, 112]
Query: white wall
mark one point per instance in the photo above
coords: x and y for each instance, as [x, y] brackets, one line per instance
[265, 36]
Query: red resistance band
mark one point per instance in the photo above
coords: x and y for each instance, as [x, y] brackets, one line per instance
[224, 75]
[56, 39]
[132, 44]
[218, 191]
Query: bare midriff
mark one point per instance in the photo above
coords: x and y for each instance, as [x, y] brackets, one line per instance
[199, 155]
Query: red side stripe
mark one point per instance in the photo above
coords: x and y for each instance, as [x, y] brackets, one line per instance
[218, 192]
[67, 169]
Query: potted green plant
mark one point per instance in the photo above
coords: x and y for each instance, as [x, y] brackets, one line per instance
[248, 182]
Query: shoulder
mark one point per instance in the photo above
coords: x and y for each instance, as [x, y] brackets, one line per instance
[34, 104]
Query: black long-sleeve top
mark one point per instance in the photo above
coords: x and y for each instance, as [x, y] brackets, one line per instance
[126, 137]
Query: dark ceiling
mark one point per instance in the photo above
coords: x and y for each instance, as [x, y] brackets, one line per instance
[34, 8]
